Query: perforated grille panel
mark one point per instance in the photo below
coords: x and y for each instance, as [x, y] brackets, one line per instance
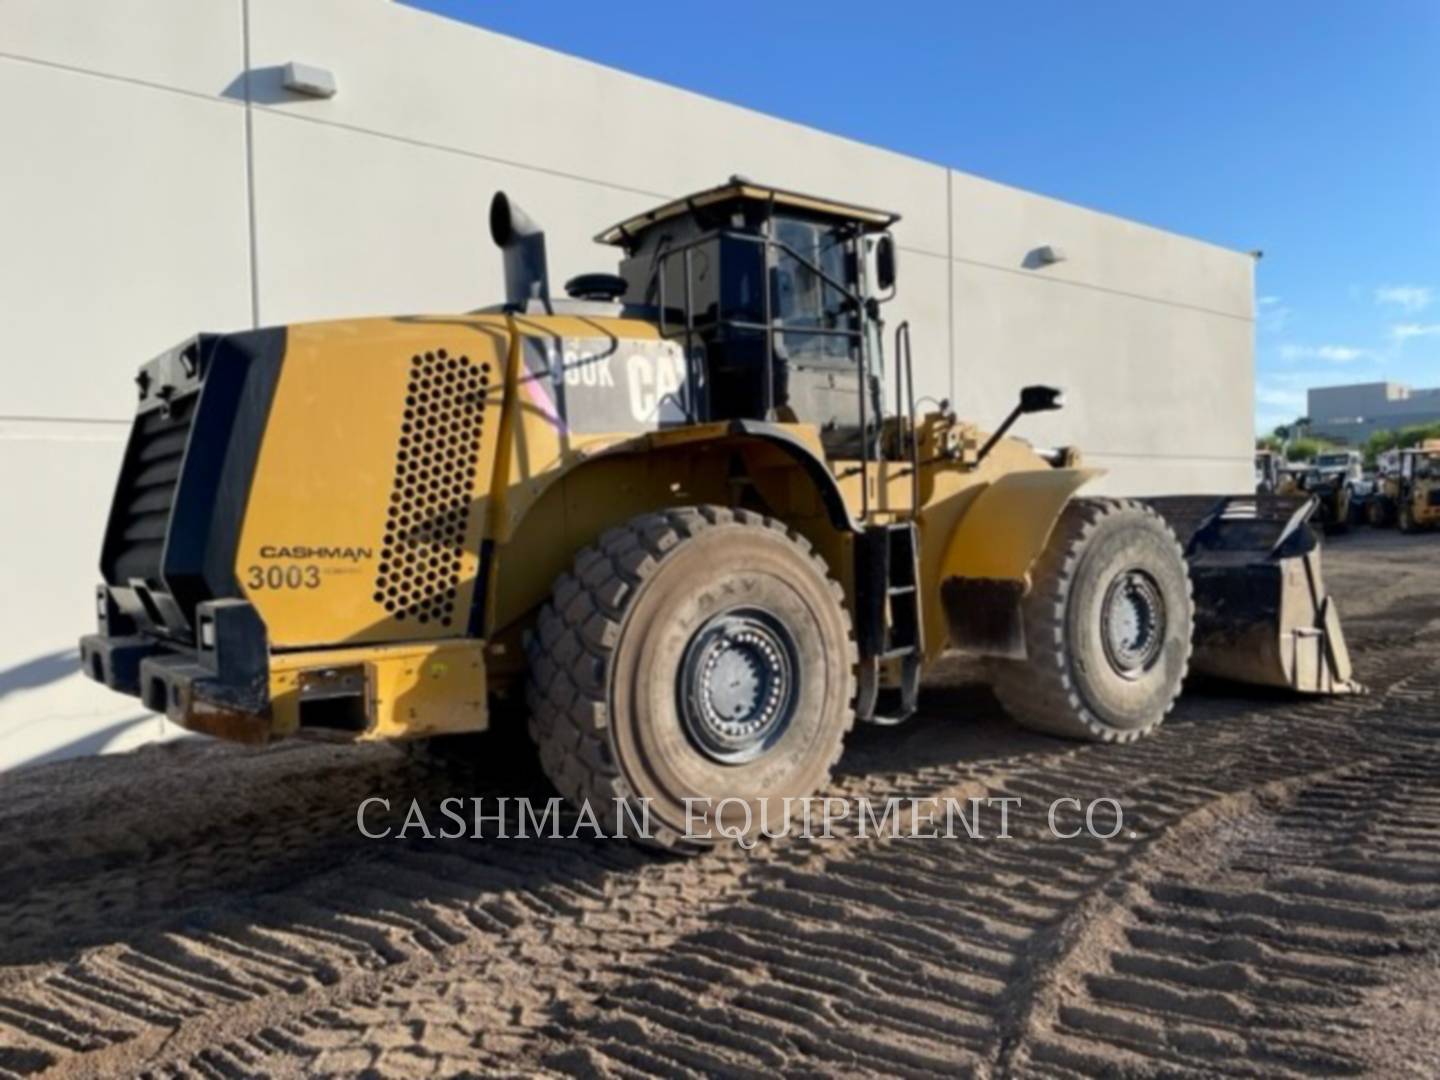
[435, 465]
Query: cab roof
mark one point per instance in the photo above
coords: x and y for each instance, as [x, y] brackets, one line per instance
[738, 188]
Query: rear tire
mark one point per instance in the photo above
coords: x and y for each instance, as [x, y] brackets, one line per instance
[700, 653]
[1108, 622]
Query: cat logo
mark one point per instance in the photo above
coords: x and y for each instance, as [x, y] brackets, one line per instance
[656, 383]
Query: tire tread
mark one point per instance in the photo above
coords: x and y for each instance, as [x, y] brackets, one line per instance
[1040, 693]
[572, 646]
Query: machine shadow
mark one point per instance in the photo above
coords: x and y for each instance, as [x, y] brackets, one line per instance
[39, 671]
[183, 837]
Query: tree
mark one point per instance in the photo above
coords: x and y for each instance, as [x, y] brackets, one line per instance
[1413, 435]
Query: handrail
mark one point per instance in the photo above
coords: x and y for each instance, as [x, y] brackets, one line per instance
[864, 432]
[904, 366]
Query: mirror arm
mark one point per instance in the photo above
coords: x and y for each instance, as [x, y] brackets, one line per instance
[1032, 399]
[1015, 414]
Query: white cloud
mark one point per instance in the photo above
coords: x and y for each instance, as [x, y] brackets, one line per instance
[1275, 398]
[1335, 354]
[1271, 314]
[1402, 331]
[1408, 297]
[1280, 398]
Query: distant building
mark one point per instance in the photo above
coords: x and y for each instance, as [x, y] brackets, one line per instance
[1353, 413]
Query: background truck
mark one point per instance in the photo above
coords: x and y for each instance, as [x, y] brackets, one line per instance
[1336, 478]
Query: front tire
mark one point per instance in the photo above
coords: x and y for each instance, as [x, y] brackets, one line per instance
[1337, 518]
[1406, 516]
[1108, 621]
[699, 653]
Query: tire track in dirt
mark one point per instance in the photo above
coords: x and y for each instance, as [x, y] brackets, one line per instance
[219, 916]
[1257, 952]
[857, 957]
[874, 961]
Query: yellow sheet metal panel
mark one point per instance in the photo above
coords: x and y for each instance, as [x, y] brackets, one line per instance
[1007, 526]
[411, 690]
[365, 515]
[561, 363]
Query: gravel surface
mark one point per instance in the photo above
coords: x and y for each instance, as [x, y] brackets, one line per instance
[1271, 906]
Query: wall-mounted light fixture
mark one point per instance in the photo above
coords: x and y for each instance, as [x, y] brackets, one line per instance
[309, 80]
[1046, 255]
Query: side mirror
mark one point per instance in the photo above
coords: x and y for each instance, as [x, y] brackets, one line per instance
[885, 263]
[1035, 399]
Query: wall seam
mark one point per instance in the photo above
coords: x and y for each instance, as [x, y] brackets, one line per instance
[218, 99]
[65, 420]
[949, 255]
[252, 247]
[950, 277]
[512, 163]
[463, 152]
[1032, 275]
[249, 106]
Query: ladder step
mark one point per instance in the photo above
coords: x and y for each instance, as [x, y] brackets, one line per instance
[887, 579]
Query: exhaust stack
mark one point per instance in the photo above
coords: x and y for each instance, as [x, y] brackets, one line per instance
[523, 245]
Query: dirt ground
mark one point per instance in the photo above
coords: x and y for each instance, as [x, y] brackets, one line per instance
[1272, 906]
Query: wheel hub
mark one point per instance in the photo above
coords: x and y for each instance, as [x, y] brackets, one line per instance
[737, 685]
[1133, 623]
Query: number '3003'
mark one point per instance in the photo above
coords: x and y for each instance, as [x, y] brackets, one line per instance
[283, 577]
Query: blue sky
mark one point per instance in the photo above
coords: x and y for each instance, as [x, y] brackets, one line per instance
[1309, 130]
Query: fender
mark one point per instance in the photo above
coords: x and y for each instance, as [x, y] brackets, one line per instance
[530, 561]
[985, 571]
[815, 468]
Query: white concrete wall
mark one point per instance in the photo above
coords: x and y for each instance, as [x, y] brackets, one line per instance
[156, 180]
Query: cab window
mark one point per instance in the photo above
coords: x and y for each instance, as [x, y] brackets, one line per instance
[804, 302]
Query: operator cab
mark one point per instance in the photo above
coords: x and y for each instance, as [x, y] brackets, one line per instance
[1420, 463]
[776, 297]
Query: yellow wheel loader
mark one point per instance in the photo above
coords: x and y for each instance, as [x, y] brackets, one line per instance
[1333, 478]
[673, 510]
[1410, 496]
